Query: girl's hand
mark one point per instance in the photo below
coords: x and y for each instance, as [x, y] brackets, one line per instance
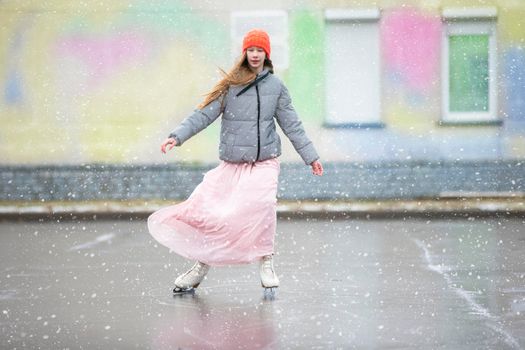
[317, 168]
[169, 142]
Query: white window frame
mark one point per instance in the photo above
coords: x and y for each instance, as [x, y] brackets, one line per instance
[257, 19]
[469, 21]
[357, 16]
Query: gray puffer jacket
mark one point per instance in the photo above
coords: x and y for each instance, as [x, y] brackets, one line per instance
[248, 128]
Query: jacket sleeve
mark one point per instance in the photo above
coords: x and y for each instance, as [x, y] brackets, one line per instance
[291, 125]
[197, 121]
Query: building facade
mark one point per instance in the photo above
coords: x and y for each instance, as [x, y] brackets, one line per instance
[385, 80]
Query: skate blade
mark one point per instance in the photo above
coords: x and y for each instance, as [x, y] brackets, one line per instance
[269, 293]
[179, 291]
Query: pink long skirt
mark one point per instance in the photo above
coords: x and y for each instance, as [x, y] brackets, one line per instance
[230, 218]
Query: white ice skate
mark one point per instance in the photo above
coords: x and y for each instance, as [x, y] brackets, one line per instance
[188, 281]
[269, 279]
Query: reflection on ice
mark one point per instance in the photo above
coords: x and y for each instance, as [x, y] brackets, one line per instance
[196, 320]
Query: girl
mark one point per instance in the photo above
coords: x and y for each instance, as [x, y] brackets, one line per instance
[230, 218]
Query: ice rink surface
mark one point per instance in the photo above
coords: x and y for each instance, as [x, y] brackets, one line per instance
[346, 283]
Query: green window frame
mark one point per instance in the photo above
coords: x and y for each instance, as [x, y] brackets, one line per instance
[469, 86]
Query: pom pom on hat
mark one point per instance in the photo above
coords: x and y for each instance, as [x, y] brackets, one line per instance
[259, 38]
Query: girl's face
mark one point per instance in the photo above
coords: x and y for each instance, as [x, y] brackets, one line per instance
[256, 56]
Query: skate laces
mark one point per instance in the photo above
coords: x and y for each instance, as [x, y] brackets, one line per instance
[267, 263]
[202, 267]
[198, 268]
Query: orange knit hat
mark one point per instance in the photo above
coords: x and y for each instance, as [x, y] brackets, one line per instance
[259, 38]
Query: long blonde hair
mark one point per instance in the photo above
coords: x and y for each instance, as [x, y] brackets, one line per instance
[240, 74]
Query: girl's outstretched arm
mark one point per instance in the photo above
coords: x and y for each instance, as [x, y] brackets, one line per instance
[290, 123]
[197, 121]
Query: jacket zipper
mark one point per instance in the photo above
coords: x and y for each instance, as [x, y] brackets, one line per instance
[258, 122]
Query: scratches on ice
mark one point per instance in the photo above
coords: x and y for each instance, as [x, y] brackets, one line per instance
[493, 322]
[98, 240]
[7, 294]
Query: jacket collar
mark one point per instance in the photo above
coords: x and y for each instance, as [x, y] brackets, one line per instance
[263, 74]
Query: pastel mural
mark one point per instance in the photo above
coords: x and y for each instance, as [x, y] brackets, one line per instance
[105, 83]
[514, 63]
[411, 58]
[411, 41]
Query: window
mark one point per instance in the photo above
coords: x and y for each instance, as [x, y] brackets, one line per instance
[352, 68]
[275, 23]
[469, 66]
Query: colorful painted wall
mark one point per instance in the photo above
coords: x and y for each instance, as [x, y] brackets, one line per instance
[106, 82]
